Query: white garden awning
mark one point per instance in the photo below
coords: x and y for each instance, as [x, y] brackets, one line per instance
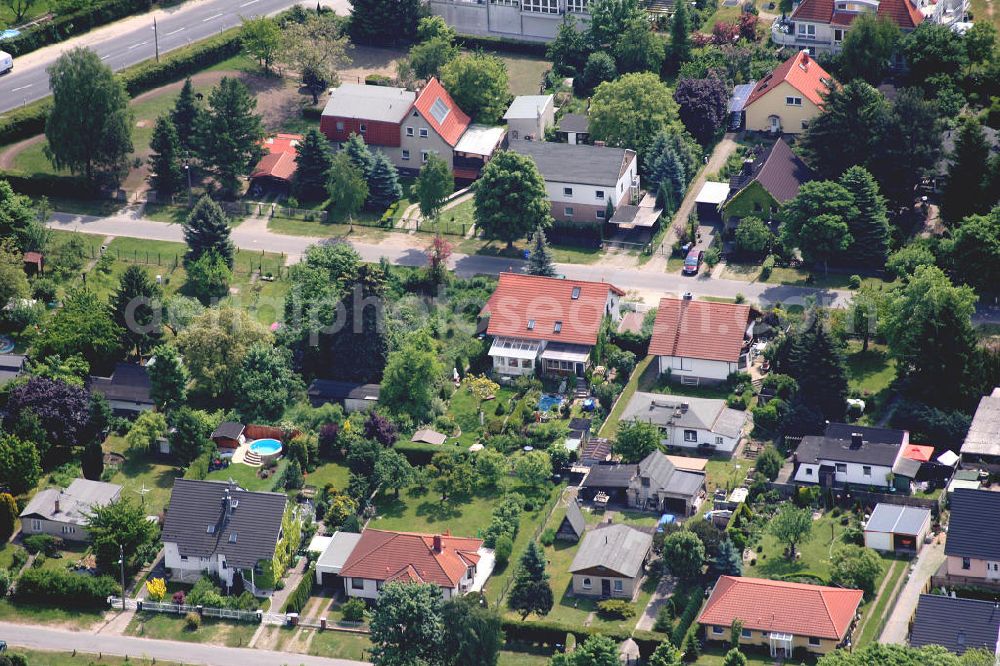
[558, 351]
[514, 348]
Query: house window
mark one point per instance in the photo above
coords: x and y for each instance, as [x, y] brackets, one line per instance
[815, 642]
[210, 529]
[578, 6]
[600, 214]
[409, 131]
[645, 482]
[568, 191]
[746, 633]
[423, 156]
[575, 294]
[423, 132]
[809, 471]
[557, 327]
[531, 324]
[587, 584]
[718, 441]
[805, 124]
[68, 529]
[340, 126]
[717, 630]
[838, 35]
[793, 101]
[600, 194]
[619, 586]
[36, 525]
[568, 211]
[690, 435]
[541, 6]
[406, 154]
[807, 30]
[223, 565]
[357, 583]
[526, 363]
[966, 563]
[841, 468]
[184, 558]
[232, 537]
[866, 470]
[364, 128]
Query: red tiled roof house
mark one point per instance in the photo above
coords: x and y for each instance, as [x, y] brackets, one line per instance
[821, 25]
[700, 342]
[784, 101]
[278, 166]
[455, 564]
[544, 320]
[408, 127]
[781, 616]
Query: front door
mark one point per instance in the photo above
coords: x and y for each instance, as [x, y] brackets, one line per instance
[775, 124]
[993, 571]
[605, 588]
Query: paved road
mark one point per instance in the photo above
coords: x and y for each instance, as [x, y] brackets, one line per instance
[927, 562]
[42, 638]
[400, 249]
[130, 41]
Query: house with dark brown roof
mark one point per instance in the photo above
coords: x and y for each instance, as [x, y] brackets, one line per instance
[455, 564]
[765, 183]
[781, 616]
[550, 321]
[700, 342]
[820, 26]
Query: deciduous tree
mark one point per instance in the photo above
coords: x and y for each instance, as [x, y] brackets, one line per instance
[407, 628]
[18, 219]
[815, 222]
[168, 378]
[411, 377]
[188, 435]
[84, 326]
[753, 237]
[568, 51]
[597, 650]
[867, 49]
[636, 440]
[638, 48]
[791, 526]
[89, 129]
[8, 516]
[534, 469]
[347, 187]
[477, 83]
[856, 567]
[317, 50]
[684, 554]
[433, 186]
[120, 526]
[261, 39]
[13, 281]
[704, 106]
[265, 384]
[20, 465]
[394, 470]
[384, 21]
[630, 111]
[214, 346]
[62, 411]
[976, 251]
[472, 634]
[510, 198]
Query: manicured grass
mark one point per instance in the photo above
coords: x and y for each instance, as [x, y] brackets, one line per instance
[166, 626]
[563, 254]
[415, 511]
[143, 470]
[645, 366]
[24, 613]
[340, 644]
[7, 555]
[871, 373]
[725, 473]
[175, 214]
[246, 476]
[537, 657]
[524, 73]
[91, 242]
[43, 658]
[328, 473]
[814, 553]
[805, 278]
[714, 655]
[464, 409]
[95, 207]
[457, 220]
[281, 225]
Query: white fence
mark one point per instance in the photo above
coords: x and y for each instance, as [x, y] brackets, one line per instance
[259, 617]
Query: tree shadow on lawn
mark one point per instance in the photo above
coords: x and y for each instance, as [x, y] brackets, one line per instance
[143, 464]
[439, 511]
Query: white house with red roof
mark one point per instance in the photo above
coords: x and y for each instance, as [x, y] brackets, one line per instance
[700, 342]
[787, 99]
[455, 564]
[545, 320]
[820, 26]
[781, 616]
[409, 127]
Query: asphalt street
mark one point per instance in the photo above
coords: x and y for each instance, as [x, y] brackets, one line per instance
[40, 638]
[120, 48]
[254, 235]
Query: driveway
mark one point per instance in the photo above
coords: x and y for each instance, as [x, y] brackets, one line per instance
[926, 563]
[43, 638]
[663, 592]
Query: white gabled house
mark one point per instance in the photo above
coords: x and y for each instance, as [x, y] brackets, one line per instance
[704, 425]
[856, 455]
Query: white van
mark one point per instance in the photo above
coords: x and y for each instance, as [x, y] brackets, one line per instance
[6, 62]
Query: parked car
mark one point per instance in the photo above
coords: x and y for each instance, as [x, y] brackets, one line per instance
[692, 263]
[6, 62]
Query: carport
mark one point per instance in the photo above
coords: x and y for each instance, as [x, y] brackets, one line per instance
[332, 560]
[711, 196]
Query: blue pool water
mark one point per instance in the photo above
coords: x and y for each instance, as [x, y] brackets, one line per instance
[9, 34]
[266, 447]
[547, 402]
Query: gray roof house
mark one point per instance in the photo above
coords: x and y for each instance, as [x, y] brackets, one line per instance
[982, 443]
[610, 560]
[11, 367]
[575, 127]
[573, 524]
[654, 484]
[217, 527]
[694, 423]
[973, 543]
[127, 389]
[375, 103]
[956, 624]
[851, 454]
[529, 116]
[567, 163]
[353, 396]
[63, 512]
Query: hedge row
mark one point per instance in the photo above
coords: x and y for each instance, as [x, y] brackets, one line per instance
[546, 632]
[695, 599]
[24, 122]
[62, 28]
[418, 453]
[57, 587]
[502, 44]
[298, 599]
[180, 63]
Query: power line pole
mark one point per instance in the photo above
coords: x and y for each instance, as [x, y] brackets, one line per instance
[156, 39]
[121, 561]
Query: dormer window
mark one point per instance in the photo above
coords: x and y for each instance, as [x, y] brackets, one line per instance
[439, 110]
[557, 327]
[232, 537]
[210, 529]
[576, 293]
[531, 324]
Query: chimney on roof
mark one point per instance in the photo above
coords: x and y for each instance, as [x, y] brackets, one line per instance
[437, 543]
[805, 59]
[57, 505]
[685, 406]
[857, 439]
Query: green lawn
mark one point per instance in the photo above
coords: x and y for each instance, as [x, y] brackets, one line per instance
[714, 654]
[814, 554]
[24, 613]
[334, 473]
[43, 658]
[281, 225]
[725, 473]
[563, 254]
[524, 73]
[143, 470]
[535, 657]
[871, 373]
[644, 367]
[457, 220]
[95, 207]
[246, 476]
[464, 409]
[166, 626]
[875, 615]
[339, 644]
[7, 555]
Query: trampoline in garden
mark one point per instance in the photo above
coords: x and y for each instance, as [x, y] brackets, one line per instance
[6, 345]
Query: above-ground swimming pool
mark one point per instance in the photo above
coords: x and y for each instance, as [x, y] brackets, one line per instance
[267, 449]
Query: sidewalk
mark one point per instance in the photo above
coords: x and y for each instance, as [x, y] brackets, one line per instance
[927, 562]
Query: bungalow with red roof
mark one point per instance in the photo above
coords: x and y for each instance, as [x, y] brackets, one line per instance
[409, 127]
[700, 342]
[455, 564]
[545, 320]
[781, 616]
[820, 26]
[784, 101]
[277, 167]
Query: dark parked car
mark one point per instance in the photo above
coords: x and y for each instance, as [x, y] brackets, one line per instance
[692, 263]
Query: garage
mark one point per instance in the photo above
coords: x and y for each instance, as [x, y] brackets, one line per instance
[893, 528]
[329, 564]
